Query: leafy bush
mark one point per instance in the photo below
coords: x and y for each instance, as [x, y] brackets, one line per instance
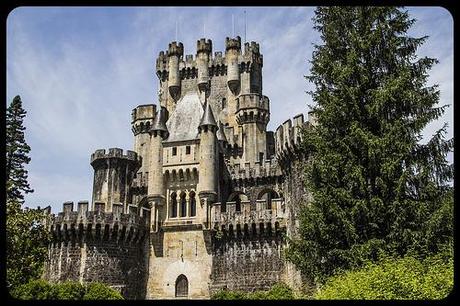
[403, 278]
[33, 290]
[68, 291]
[279, 291]
[98, 291]
[42, 290]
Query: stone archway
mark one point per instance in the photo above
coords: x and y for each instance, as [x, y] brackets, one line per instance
[181, 286]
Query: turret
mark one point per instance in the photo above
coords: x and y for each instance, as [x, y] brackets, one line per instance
[232, 50]
[203, 51]
[113, 176]
[155, 190]
[175, 53]
[253, 113]
[208, 160]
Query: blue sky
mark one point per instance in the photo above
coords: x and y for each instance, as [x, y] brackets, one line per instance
[80, 72]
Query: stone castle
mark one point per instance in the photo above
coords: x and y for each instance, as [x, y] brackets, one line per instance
[206, 197]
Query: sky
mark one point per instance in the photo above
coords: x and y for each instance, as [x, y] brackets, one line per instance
[80, 71]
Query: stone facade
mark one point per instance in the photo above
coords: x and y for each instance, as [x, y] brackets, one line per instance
[206, 197]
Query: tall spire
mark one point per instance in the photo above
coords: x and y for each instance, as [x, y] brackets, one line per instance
[208, 117]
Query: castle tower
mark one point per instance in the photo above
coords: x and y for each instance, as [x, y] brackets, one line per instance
[203, 51]
[253, 113]
[232, 51]
[155, 191]
[113, 176]
[142, 119]
[175, 53]
[208, 159]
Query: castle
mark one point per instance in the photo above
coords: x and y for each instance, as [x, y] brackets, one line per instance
[206, 197]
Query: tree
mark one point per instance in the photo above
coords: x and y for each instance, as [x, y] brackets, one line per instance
[374, 184]
[26, 235]
[16, 152]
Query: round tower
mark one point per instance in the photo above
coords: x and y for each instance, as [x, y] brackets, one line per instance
[208, 155]
[175, 53]
[155, 190]
[232, 50]
[113, 176]
[253, 113]
[204, 49]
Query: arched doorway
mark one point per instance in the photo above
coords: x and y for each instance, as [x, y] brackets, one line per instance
[181, 286]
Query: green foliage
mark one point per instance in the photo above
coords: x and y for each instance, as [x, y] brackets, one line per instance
[25, 231]
[279, 291]
[99, 291]
[375, 188]
[42, 290]
[405, 278]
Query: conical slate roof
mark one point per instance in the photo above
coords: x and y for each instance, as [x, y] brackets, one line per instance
[208, 116]
[159, 124]
[220, 133]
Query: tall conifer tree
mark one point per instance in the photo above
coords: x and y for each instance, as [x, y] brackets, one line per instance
[374, 184]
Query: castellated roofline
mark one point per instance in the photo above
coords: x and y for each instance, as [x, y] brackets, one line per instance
[233, 43]
[176, 48]
[204, 45]
[113, 153]
[82, 224]
[288, 138]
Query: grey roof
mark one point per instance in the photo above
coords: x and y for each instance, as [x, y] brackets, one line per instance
[184, 121]
[208, 116]
[159, 122]
[220, 133]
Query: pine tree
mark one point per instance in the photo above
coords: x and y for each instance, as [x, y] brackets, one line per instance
[374, 184]
[26, 235]
[17, 152]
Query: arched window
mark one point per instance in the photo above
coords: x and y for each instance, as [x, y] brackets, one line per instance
[224, 103]
[183, 205]
[192, 204]
[268, 195]
[181, 286]
[173, 205]
[238, 203]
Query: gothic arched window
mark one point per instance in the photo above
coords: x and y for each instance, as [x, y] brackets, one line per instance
[192, 204]
[183, 205]
[238, 203]
[224, 103]
[181, 286]
[173, 205]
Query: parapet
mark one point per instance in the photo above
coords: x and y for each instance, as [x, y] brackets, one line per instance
[204, 45]
[176, 48]
[247, 101]
[143, 112]
[233, 43]
[265, 169]
[113, 153]
[162, 62]
[70, 225]
[288, 136]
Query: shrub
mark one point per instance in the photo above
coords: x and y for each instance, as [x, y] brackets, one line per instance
[403, 278]
[99, 291]
[68, 291]
[42, 290]
[279, 291]
[228, 295]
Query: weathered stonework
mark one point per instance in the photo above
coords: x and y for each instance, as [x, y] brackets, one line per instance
[205, 199]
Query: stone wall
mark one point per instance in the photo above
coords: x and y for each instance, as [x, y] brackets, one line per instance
[246, 265]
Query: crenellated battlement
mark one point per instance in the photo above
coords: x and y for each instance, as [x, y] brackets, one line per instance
[233, 43]
[176, 48]
[70, 225]
[252, 108]
[238, 220]
[101, 154]
[267, 168]
[204, 45]
[288, 137]
[142, 118]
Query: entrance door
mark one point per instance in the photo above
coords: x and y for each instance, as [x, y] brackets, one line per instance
[181, 286]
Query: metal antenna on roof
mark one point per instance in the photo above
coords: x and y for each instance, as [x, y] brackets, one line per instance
[176, 29]
[233, 26]
[245, 25]
[204, 27]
